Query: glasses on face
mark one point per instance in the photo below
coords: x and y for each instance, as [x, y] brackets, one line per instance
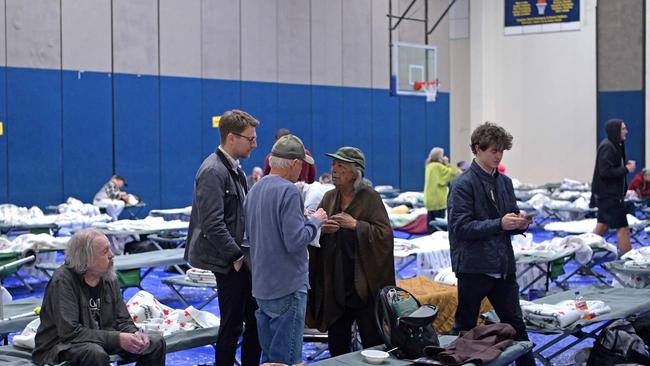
[250, 139]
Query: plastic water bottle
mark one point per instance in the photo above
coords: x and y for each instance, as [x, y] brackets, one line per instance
[581, 303]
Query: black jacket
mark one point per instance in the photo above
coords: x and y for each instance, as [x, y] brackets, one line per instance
[478, 244]
[66, 317]
[610, 173]
[216, 232]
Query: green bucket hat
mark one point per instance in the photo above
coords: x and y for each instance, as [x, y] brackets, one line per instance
[351, 155]
[290, 147]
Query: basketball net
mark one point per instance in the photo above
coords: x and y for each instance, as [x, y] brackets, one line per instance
[430, 89]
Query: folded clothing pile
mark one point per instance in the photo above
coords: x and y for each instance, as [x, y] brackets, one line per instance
[200, 276]
[560, 315]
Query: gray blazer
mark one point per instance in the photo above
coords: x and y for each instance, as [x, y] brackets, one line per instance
[216, 231]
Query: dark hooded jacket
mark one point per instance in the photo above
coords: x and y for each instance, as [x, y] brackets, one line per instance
[609, 181]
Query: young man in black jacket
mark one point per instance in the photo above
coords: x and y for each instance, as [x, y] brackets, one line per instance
[608, 186]
[483, 215]
[215, 239]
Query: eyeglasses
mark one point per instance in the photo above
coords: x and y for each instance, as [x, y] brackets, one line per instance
[250, 139]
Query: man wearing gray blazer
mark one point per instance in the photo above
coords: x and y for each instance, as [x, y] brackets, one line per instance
[216, 240]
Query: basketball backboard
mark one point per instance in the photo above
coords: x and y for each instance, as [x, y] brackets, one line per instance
[412, 63]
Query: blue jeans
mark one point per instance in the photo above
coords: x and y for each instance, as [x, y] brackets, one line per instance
[280, 326]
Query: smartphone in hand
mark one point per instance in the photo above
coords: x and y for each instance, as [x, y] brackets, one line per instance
[530, 216]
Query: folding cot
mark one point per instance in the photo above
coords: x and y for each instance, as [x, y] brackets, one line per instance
[556, 212]
[32, 228]
[545, 265]
[129, 265]
[600, 257]
[179, 341]
[616, 269]
[176, 284]
[637, 227]
[514, 351]
[18, 313]
[182, 214]
[11, 262]
[624, 302]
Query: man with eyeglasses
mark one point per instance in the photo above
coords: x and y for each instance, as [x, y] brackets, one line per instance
[216, 239]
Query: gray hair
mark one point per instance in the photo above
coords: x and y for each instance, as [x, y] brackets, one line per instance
[359, 181]
[280, 163]
[79, 252]
[435, 155]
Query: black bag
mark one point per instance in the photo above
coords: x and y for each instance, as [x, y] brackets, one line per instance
[642, 328]
[403, 323]
[618, 343]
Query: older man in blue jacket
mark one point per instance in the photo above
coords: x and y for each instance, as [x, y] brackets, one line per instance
[483, 215]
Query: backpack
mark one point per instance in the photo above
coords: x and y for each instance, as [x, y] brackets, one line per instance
[403, 323]
[618, 343]
[642, 328]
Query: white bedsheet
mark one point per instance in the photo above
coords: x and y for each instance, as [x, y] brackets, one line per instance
[587, 225]
[73, 215]
[146, 224]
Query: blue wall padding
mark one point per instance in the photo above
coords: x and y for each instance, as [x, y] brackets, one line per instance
[218, 96]
[261, 101]
[294, 111]
[385, 139]
[628, 106]
[87, 133]
[413, 142]
[180, 136]
[327, 124]
[3, 138]
[59, 139]
[137, 135]
[437, 126]
[357, 119]
[34, 118]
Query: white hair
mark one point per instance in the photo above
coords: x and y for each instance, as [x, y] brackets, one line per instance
[280, 163]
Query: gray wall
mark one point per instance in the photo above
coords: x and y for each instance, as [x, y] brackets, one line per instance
[323, 42]
[620, 45]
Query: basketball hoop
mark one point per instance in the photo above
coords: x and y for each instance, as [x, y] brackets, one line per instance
[430, 89]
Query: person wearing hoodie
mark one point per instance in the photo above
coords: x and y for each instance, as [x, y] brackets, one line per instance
[609, 185]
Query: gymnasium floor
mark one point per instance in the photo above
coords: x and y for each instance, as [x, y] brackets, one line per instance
[205, 355]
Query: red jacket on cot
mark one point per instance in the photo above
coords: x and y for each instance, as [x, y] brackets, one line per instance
[639, 185]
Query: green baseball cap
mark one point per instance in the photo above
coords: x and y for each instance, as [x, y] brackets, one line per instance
[290, 147]
[350, 155]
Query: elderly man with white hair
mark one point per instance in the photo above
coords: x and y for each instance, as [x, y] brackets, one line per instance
[278, 235]
[83, 317]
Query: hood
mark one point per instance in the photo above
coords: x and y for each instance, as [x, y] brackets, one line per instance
[613, 130]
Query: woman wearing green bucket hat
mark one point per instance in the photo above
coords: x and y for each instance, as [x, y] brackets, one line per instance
[355, 258]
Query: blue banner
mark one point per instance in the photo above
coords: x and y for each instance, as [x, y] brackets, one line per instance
[532, 16]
